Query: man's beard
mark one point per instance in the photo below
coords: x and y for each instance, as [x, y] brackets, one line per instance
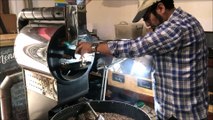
[160, 19]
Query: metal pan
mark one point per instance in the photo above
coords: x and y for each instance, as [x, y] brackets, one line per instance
[102, 107]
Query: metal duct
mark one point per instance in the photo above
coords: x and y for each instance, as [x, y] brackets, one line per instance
[5, 95]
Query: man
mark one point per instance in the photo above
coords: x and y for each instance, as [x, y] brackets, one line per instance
[179, 51]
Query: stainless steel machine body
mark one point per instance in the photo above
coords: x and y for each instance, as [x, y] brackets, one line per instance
[45, 49]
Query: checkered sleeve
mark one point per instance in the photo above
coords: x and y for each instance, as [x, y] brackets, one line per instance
[162, 41]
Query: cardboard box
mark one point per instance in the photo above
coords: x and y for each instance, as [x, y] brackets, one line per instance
[125, 30]
[1, 7]
[4, 6]
[130, 83]
[9, 21]
[7, 39]
[133, 75]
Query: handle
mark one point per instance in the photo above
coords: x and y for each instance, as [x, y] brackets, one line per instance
[93, 111]
[123, 23]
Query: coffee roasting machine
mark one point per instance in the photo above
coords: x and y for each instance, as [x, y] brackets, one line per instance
[45, 49]
[53, 73]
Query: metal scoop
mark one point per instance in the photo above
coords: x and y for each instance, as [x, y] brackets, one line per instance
[97, 117]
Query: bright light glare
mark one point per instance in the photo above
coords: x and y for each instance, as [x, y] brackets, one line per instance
[139, 70]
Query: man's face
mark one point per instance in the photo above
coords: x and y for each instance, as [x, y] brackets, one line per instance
[152, 19]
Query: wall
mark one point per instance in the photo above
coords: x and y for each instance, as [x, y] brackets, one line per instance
[17, 5]
[110, 13]
[104, 14]
[113, 11]
[201, 9]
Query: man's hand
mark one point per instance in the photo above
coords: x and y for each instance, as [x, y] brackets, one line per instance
[84, 47]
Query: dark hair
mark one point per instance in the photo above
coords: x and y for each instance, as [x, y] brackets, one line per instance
[169, 4]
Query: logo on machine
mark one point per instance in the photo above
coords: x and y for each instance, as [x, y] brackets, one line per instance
[118, 77]
[144, 83]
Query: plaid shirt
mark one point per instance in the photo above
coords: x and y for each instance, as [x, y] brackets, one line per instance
[179, 51]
